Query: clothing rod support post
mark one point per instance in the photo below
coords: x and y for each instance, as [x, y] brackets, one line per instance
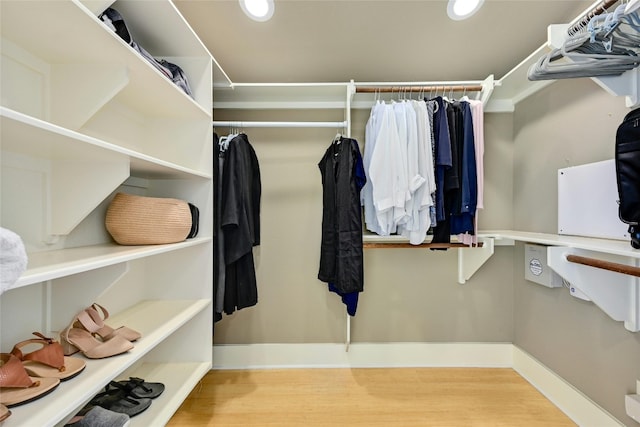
[348, 333]
[239, 124]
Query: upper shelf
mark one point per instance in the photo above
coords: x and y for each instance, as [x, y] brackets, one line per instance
[31, 136]
[50, 265]
[55, 40]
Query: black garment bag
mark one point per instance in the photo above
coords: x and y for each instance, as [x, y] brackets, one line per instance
[628, 173]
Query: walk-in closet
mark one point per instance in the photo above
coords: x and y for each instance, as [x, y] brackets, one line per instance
[335, 213]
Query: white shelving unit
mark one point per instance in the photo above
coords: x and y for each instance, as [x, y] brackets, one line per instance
[83, 116]
[615, 293]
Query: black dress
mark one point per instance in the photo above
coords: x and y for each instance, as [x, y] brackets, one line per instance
[341, 260]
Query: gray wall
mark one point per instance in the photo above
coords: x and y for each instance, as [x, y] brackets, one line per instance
[410, 295]
[569, 123]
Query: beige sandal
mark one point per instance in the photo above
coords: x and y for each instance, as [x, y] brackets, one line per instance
[94, 323]
[17, 387]
[49, 360]
[77, 339]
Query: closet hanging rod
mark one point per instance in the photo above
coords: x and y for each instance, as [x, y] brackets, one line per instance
[242, 124]
[443, 88]
[605, 265]
[597, 10]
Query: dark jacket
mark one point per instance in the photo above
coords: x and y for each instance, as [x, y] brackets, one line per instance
[341, 260]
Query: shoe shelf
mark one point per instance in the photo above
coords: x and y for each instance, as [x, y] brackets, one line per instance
[157, 321]
[178, 378]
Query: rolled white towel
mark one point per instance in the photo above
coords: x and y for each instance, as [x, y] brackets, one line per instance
[13, 259]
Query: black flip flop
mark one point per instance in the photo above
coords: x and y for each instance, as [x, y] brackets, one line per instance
[138, 388]
[117, 400]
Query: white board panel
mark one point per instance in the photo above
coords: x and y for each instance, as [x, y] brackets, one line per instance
[588, 201]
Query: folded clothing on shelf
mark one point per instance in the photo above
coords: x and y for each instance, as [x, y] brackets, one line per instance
[173, 72]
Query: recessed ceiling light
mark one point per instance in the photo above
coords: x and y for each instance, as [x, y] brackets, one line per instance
[258, 10]
[462, 9]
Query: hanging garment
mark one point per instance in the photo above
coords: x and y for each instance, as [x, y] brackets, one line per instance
[341, 256]
[219, 266]
[467, 195]
[388, 175]
[477, 113]
[448, 180]
[240, 222]
[366, 195]
[423, 183]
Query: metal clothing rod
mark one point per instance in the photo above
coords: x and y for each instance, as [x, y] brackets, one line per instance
[444, 88]
[598, 10]
[239, 124]
[606, 265]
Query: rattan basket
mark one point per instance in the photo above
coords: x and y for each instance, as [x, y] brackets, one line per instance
[139, 220]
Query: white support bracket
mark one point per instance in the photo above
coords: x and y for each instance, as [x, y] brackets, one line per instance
[615, 293]
[471, 259]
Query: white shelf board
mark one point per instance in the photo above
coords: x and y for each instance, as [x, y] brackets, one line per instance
[155, 320]
[506, 237]
[56, 42]
[179, 379]
[27, 135]
[281, 96]
[615, 247]
[49, 265]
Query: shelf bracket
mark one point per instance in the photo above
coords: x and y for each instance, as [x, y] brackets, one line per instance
[615, 293]
[471, 259]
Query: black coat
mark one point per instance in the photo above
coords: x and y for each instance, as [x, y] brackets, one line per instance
[341, 260]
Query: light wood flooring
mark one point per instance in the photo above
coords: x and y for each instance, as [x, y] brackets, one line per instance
[368, 397]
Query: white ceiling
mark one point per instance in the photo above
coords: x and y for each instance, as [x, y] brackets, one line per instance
[374, 40]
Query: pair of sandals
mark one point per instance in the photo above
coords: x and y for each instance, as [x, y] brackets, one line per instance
[25, 377]
[89, 334]
[130, 397]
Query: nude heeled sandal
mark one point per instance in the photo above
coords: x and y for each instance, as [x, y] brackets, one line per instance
[94, 323]
[49, 360]
[76, 339]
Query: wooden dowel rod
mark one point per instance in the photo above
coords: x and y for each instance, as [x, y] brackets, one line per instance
[390, 89]
[397, 245]
[606, 265]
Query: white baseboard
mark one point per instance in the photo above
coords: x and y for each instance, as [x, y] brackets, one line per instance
[567, 398]
[252, 356]
[582, 410]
